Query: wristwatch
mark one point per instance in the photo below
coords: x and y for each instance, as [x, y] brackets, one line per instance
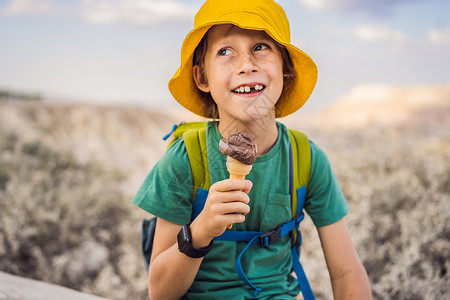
[185, 244]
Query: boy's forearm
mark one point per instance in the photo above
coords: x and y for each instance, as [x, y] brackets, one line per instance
[171, 274]
[347, 274]
[353, 285]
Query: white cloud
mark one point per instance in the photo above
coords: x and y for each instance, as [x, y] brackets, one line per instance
[379, 34]
[138, 12]
[28, 7]
[439, 36]
[320, 4]
[375, 6]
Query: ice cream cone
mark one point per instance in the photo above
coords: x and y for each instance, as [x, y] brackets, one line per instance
[237, 170]
[241, 154]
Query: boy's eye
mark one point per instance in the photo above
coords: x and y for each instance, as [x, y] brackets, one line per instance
[224, 52]
[260, 47]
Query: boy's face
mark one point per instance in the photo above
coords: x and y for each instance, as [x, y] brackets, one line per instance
[243, 72]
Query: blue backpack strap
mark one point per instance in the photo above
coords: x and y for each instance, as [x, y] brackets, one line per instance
[295, 250]
[199, 202]
[264, 239]
[301, 276]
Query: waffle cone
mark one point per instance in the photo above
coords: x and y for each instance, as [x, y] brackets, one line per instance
[237, 169]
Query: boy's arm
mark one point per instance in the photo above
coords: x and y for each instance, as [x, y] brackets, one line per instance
[171, 272]
[348, 276]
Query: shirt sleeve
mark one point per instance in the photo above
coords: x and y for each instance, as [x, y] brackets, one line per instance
[167, 190]
[325, 203]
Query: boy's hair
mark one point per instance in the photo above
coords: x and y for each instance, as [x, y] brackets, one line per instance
[289, 72]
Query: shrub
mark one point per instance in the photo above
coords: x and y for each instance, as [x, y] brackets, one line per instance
[64, 222]
[396, 181]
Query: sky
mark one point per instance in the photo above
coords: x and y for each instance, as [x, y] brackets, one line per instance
[125, 51]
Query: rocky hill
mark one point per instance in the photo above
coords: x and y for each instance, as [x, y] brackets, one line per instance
[366, 105]
[68, 172]
[122, 137]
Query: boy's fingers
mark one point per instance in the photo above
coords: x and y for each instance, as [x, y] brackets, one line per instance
[231, 185]
[249, 186]
[232, 196]
[236, 218]
[235, 207]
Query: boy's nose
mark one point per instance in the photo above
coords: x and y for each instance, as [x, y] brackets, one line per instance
[246, 64]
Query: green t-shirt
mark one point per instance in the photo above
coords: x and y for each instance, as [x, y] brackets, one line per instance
[167, 193]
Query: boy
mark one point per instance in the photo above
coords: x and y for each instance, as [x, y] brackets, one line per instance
[238, 66]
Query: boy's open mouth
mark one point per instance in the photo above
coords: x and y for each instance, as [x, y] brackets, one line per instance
[249, 89]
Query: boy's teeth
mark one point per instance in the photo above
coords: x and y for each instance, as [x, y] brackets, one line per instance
[247, 89]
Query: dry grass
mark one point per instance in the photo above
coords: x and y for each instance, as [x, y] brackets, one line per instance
[65, 222]
[397, 183]
[70, 222]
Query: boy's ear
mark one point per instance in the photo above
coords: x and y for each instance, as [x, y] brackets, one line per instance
[200, 80]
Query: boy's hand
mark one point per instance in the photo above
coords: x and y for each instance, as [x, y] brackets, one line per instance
[227, 203]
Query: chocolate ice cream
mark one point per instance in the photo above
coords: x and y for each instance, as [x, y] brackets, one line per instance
[240, 147]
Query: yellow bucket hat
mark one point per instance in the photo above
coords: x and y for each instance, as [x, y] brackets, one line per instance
[263, 15]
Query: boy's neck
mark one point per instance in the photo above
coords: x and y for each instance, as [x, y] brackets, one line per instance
[264, 133]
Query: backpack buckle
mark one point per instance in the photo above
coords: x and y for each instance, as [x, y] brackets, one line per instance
[268, 237]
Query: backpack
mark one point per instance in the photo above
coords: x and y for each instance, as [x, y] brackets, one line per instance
[194, 135]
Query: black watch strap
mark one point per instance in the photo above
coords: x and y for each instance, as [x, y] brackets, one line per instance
[185, 244]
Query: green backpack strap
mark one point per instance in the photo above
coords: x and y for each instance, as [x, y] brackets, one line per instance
[179, 130]
[301, 154]
[195, 141]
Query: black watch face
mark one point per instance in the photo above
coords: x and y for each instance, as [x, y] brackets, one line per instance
[185, 244]
[183, 238]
